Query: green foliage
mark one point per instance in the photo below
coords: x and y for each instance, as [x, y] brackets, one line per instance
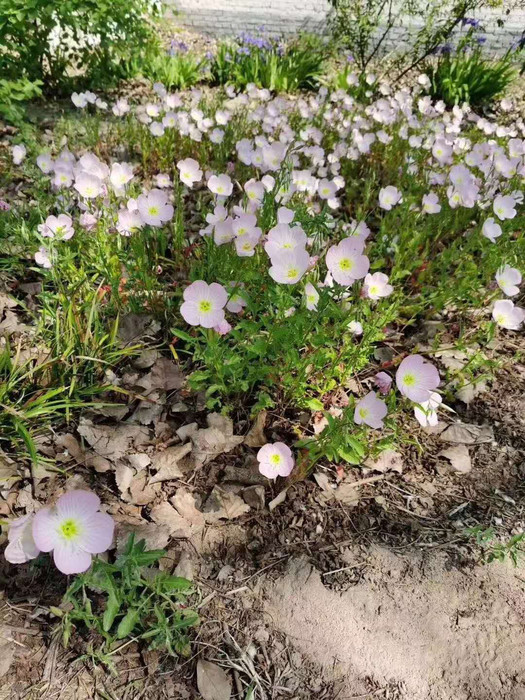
[511, 550]
[53, 42]
[130, 599]
[177, 71]
[465, 75]
[269, 63]
[13, 93]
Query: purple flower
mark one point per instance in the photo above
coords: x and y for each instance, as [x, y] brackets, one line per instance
[371, 411]
[416, 378]
[73, 529]
[275, 460]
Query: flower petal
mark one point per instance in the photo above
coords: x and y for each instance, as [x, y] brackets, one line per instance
[71, 560]
[99, 534]
[45, 529]
[77, 503]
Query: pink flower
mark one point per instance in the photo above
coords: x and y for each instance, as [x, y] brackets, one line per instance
[223, 327]
[275, 460]
[154, 208]
[190, 171]
[60, 226]
[416, 378]
[491, 230]
[383, 382]
[311, 296]
[389, 197]
[220, 185]
[289, 266]
[346, 262]
[507, 315]
[204, 304]
[431, 203]
[508, 279]
[282, 238]
[73, 529]
[45, 162]
[426, 411]
[371, 411]
[504, 207]
[21, 547]
[236, 301]
[18, 153]
[376, 286]
[121, 174]
[88, 185]
[87, 221]
[42, 258]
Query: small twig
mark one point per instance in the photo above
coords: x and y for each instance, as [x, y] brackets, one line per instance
[345, 568]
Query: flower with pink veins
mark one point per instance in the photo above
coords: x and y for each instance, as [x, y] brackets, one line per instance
[221, 185]
[491, 230]
[289, 266]
[508, 279]
[73, 529]
[204, 304]
[346, 262]
[504, 207]
[21, 546]
[190, 171]
[426, 411]
[507, 315]
[389, 196]
[371, 411]
[275, 460]
[282, 238]
[383, 382]
[376, 286]
[154, 208]
[416, 378]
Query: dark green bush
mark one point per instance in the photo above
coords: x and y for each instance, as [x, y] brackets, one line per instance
[56, 42]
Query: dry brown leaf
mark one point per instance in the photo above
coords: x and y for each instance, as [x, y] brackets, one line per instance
[347, 494]
[113, 441]
[155, 535]
[468, 434]
[255, 436]
[458, 457]
[468, 392]
[165, 375]
[224, 505]
[8, 472]
[167, 463]
[165, 514]
[388, 461]
[218, 438]
[280, 498]
[184, 502]
[212, 681]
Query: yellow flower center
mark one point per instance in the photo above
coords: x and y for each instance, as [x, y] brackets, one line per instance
[205, 306]
[153, 211]
[292, 272]
[346, 264]
[373, 289]
[363, 412]
[409, 379]
[69, 529]
[275, 459]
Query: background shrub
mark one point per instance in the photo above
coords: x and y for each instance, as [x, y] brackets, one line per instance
[73, 39]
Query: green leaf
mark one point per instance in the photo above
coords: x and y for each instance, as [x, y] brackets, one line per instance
[348, 455]
[111, 612]
[314, 405]
[128, 623]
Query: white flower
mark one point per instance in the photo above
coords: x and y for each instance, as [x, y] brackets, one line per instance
[389, 197]
[220, 185]
[507, 315]
[508, 279]
[154, 208]
[19, 153]
[190, 171]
